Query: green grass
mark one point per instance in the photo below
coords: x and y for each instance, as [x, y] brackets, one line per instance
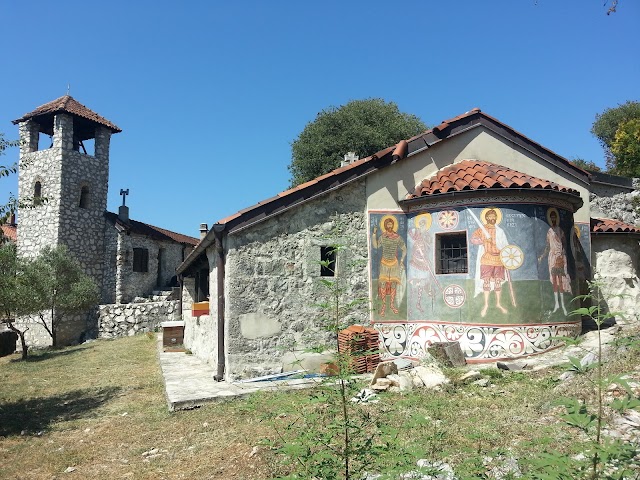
[99, 406]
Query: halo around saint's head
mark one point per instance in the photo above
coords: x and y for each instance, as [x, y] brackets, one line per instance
[384, 219]
[483, 215]
[553, 209]
[426, 217]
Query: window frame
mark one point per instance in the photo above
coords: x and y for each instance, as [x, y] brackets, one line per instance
[328, 253]
[440, 250]
[140, 261]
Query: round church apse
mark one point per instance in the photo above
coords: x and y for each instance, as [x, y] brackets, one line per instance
[496, 278]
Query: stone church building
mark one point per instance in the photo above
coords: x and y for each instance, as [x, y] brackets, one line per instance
[67, 184]
[468, 232]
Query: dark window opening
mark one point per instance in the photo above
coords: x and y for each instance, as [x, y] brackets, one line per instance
[202, 286]
[451, 251]
[84, 197]
[37, 193]
[140, 260]
[327, 261]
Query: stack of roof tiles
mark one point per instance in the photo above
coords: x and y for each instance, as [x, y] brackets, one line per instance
[361, 344]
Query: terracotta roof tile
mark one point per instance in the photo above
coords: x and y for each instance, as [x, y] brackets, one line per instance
[476, 175]
[10, 232]
[608, 225]
[153, 231]
[68, 104]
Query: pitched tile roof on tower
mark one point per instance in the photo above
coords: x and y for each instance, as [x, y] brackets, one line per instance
[476, 175]
[151, 231]
[68, 104]
[608, 225]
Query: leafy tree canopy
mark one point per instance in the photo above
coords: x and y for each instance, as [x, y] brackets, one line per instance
[586, 165]
[360, 126]
[58, 286]
[626, 148]
[606, 127]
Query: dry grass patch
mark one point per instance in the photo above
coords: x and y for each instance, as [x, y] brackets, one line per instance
[100, 408]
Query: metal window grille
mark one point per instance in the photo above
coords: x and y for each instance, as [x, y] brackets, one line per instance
[140, 260]
[452, 253]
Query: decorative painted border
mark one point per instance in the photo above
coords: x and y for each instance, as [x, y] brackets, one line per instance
[430, 203]
[480, 343]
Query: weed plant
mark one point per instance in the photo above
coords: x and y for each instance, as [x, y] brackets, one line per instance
[598, 457]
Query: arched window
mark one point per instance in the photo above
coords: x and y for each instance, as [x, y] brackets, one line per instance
[84, 197]
[37, 193]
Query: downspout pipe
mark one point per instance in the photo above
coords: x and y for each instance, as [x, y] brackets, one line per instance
[220, 271]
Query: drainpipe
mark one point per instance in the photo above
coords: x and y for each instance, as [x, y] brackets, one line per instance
[220, 266]
[180, 284]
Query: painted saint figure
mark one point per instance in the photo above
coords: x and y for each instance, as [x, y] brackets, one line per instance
[394, 251]
[490, 272]
[556, 248]
[422, 249]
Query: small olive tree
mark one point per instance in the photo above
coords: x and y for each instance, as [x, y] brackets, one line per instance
[58, 288]
[14, 294]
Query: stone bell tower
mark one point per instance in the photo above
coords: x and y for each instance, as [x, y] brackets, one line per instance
[65, 181]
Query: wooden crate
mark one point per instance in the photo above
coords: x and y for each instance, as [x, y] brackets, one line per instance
[172, 334]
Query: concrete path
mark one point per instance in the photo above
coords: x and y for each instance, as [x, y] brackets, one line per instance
[189, 382]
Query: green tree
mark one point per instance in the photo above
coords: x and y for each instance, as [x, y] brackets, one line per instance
[58, 288]
[360, 126]
[626, 148]
[5, 171]
[586, 165]
[605, 128]
[14, 294]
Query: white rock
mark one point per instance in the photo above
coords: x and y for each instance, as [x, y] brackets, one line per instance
[431, 376]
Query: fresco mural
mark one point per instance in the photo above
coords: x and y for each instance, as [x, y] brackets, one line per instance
[390, 251]
[497, 278]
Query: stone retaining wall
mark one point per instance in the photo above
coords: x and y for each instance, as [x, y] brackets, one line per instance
[121, 320]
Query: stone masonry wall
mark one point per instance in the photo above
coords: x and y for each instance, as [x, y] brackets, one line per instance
[38, 225]
[119, 320]
[111, 239]
[616, 257]
[130, 284]
[201, 333]
[617, 268]
[621, 206]
[73, 329]
[273, 280]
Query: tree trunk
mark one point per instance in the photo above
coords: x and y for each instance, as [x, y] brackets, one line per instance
[25, 348]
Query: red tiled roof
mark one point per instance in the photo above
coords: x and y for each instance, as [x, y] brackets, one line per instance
[10, 232]
[316, 180]
[477, 175]
[152, 231]
[608, 225]
[387, 156]
[68, 104]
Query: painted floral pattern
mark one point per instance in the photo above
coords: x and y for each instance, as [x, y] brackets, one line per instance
[479, 343]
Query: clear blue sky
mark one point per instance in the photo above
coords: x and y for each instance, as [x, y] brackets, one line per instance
[210, 94]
